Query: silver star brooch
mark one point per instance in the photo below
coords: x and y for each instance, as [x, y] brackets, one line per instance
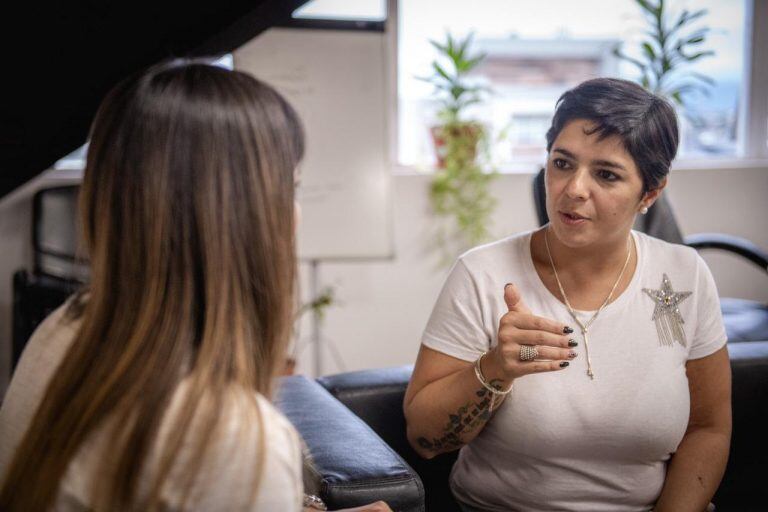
[666, 314]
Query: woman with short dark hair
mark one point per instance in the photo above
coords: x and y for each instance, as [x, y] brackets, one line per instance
[581, 366]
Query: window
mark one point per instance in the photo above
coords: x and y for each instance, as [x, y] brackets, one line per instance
[340, 14]
[537, 50]
[369, 10]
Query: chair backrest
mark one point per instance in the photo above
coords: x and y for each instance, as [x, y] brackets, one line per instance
[540, 197]
[659, 222]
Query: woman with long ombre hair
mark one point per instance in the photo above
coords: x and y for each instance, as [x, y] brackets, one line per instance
[149, 390]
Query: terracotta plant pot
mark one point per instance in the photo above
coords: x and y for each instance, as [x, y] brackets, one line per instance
[471, 133]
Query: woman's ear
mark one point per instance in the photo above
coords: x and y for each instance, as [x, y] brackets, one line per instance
[651, 196]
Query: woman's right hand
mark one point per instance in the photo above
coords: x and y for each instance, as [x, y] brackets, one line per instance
[520, 327]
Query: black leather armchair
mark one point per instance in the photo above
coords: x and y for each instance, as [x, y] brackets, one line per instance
[346, 434]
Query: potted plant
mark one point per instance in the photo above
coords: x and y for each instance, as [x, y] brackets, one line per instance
[459, 189]
[317, 306]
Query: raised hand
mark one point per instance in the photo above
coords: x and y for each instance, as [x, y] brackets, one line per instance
[519, 327]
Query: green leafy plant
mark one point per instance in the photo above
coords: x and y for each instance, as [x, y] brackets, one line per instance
[459, 190]
[318, 305]
[449, 77]
[671, 46]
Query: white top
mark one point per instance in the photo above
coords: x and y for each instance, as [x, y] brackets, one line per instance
[224, 482]
[562, 441]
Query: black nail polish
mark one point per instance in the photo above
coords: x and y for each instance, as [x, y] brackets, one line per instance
[567, 330]
[564, 364]
[572, 343]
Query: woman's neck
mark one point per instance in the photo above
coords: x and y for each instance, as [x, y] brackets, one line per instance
[595, 259]
[587, 274]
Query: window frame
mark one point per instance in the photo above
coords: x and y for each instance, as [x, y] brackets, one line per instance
[752, 134]
[331, 23]
[753, 128]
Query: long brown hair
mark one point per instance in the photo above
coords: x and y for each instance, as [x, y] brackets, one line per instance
[187, 216]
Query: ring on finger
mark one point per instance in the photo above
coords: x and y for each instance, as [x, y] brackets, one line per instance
[528, 352]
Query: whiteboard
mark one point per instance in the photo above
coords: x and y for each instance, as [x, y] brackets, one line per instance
[337, 82]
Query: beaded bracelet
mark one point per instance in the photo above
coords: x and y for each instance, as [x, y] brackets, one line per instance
[494, 392]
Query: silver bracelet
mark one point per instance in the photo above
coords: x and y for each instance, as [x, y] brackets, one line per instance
[481, 378]
[314, 502]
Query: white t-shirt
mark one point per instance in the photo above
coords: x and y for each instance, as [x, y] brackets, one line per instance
[561, 441]
[224, 483]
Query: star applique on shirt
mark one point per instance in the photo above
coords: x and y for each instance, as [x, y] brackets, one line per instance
[666, 298]
[667, 313]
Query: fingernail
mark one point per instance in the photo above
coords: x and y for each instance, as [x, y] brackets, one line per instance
[564, 364]
[505, 286]
[572, 343]
[567, 330]
[572, 354]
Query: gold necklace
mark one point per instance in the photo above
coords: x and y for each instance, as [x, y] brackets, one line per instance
[585, 327]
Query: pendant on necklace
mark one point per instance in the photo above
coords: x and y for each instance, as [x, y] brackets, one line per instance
[590, 373]
[666, 314]
[588, 323]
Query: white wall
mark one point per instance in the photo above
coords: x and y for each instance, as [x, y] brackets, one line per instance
[384, 306]
[732, 201]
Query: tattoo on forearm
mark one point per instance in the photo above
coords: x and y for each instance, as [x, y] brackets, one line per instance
[466, 419]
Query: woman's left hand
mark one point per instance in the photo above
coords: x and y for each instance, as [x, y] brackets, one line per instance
[378, 506]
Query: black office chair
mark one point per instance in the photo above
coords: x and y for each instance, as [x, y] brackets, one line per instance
[744, 320]
[56, 270]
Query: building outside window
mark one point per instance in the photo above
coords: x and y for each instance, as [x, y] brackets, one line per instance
[537, 50]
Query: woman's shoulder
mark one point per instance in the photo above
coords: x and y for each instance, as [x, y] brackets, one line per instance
[253, 445]
[245, 416]
[43, 353]
[671, 258]
[658, 248]
[252, 461]
[55, 332]
[503, 250]
[254, 429]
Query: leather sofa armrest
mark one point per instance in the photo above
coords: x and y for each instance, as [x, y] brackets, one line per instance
[743, 484]
[354, 465]
[376, 396]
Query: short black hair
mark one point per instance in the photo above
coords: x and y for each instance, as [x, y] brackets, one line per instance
[645, 122]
